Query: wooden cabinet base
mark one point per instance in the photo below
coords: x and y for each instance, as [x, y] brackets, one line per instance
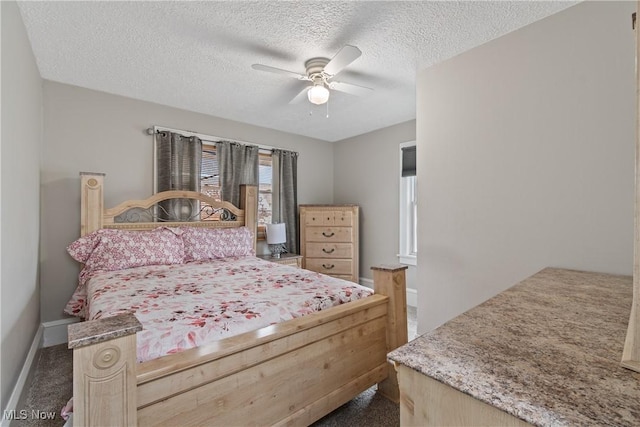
[631, 351]
[428, 402]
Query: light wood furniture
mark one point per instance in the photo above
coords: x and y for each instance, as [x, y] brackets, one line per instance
[428, 402]
[105, 368]
[394, 281]
[292, 373]
[285, 259]
[329, 240]
[631, 351]
[544, 352]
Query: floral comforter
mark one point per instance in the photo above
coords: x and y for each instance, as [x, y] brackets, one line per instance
[186, 305]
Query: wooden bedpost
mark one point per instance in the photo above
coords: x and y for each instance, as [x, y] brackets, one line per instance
[249, 203]
[91, 201]
[389, 280]
[104, 371]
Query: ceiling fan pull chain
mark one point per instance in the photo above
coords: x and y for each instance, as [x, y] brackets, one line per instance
[327, 109]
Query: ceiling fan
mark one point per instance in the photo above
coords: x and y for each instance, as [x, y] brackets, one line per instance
[320, 72]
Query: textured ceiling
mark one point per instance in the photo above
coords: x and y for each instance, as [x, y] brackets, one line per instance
[198, 55]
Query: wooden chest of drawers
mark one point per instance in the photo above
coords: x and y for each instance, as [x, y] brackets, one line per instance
[329, 240]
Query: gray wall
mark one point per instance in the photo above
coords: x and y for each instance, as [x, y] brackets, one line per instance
[20, 201]
[366, 172]
[86, 130]
[526, 158]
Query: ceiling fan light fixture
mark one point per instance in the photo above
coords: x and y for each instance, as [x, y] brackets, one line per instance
[318, 94]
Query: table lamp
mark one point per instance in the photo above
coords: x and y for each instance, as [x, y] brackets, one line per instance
[276, 238]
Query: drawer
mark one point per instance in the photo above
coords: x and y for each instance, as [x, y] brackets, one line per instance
[328, 234]
[343, 218]
[329, 266]
[329, 250]
[318, 218]
[340, 218]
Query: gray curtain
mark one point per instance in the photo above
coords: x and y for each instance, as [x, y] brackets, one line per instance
[286, 165]
[238, 164]
[178, 167]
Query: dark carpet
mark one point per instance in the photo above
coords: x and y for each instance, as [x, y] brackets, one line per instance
[52, 387]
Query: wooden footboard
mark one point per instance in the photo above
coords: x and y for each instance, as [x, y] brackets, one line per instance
[285, 374]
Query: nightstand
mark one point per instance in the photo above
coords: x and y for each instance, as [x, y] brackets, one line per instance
[285, 259]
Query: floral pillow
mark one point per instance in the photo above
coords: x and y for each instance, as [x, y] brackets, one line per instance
[77, 304]
[201, 244]
[110, 250]
[81, 249]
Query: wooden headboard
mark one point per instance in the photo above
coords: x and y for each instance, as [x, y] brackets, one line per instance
[127, 215]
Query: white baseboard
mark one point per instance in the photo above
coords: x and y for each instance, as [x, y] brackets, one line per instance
[366, 282]
[412, 297]
[12, 405]
[55, 332]
[412, 294]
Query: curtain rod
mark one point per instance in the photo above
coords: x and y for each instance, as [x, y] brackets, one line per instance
[209, 138]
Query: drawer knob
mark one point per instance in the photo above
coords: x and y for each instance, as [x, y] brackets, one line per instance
[328, 235]
[328, 267]
[328, 252]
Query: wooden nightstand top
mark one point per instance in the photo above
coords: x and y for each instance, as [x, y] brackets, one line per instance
[268, 257]
[287, 259]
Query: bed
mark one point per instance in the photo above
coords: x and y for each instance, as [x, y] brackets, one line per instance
[289, 373]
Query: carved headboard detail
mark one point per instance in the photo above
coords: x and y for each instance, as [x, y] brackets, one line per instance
[168, 208]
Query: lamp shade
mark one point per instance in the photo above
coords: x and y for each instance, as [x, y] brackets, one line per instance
[276, 233]
[318, 94]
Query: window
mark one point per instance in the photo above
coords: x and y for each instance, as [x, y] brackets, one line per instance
[408, 204]
[210, 175]
[265, 200]
[210, 182]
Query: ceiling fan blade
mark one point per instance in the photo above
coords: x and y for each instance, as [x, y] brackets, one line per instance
[344, 57]
[301, 96]
[261, 67]
[350, 88]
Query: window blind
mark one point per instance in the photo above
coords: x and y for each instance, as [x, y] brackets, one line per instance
[409, 161]
[209, 174]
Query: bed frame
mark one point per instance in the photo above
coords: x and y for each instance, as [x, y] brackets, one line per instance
[292, 373]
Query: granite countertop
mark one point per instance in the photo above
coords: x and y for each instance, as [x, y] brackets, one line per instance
[547, 351]
[94, 331]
